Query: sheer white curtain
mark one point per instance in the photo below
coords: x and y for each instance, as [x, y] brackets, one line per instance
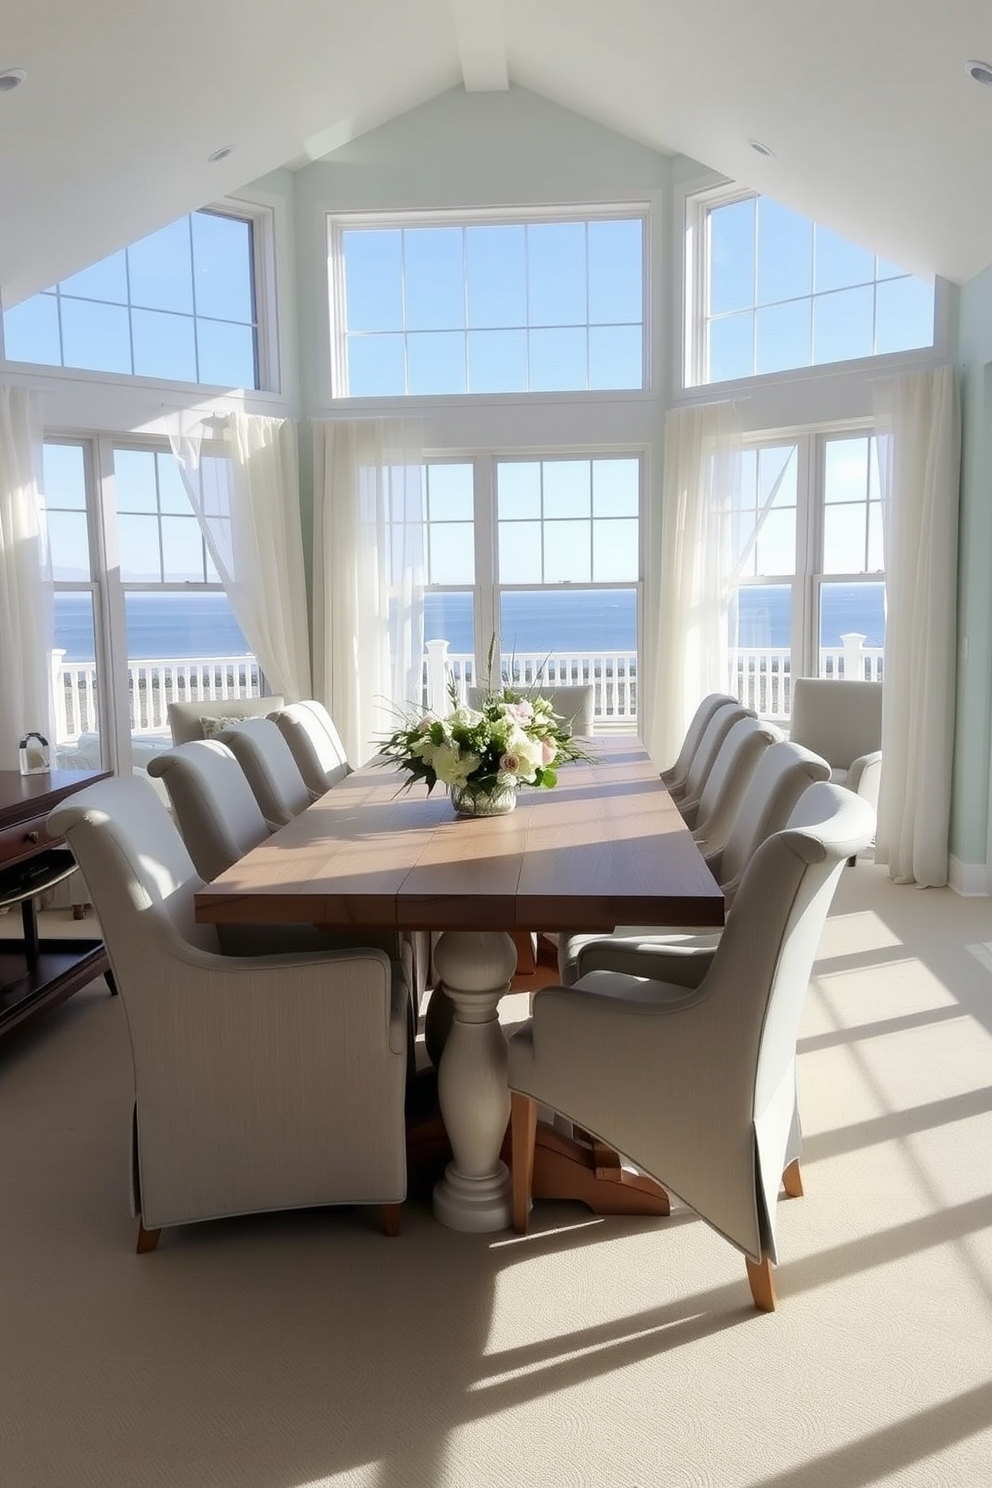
[241, 472]
[26, 625]
[368, 575]
[918, 423]
[690, 572]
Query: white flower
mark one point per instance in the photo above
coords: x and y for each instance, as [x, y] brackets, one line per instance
[453, 766]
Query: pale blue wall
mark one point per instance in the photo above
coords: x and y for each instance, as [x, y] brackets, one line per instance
[970, 807]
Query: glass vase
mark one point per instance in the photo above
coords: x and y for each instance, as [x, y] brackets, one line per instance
[497, 800]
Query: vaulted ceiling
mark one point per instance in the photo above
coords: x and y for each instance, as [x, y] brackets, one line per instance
[875, 125]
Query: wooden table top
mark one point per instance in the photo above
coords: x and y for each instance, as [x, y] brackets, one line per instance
[22, 796]
[605, 847]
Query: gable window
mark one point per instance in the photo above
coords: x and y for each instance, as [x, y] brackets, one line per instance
[179, 304]
[771, 291]
[486, 305]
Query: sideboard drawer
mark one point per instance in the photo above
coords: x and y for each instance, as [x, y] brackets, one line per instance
[23, 840]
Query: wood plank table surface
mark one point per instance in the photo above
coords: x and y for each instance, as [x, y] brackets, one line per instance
[605, 847]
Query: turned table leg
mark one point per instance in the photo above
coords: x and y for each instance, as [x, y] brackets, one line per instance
[475, 969]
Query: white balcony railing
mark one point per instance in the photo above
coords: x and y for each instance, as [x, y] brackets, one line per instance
[760, 676]
[152, 685]
[613, 675]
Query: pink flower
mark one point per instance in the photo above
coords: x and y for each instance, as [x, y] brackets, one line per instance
[548, 751]
[509, 764]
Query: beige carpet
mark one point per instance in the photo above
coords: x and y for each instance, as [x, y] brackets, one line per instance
[309, 1349]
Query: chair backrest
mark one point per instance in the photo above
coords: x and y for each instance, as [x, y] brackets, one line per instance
[736, 762]
[756, 988]
[215, 807]
[676, 773]
[316, 744]
[139, 873]
[576, 706]
[721, 722]
[206, 719]
[270, 769]
[784, 771]
[840, 719]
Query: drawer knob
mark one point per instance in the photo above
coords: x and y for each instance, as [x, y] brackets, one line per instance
[32, 837]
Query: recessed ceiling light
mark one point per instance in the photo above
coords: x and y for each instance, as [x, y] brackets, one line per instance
[760, 148]
[980, 71]
[220, 154]
[11, 78]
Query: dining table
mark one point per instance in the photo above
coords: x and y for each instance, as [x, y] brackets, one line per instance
[606, 846]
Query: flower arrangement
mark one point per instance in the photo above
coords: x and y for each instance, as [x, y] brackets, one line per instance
[483, 754]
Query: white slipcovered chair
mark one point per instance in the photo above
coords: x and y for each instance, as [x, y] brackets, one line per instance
[202, 720]
[315, 743]
[220, 820]
[736, 761]
[693, 1077]
[214, 806]
[674, 776]
[261, 1083]
[270, 769]
[686, 796]
[783, 773]
[842, 720]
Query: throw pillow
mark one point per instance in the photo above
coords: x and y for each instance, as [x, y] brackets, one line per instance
[213, 726]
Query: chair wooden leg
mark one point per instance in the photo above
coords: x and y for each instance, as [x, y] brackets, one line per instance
[762, 1283]
[792, 1180]
[147, 1239]
[523, 1136]
[391, 1218]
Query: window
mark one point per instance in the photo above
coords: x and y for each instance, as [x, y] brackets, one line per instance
[76, 606]
[159, 608]
[809, 587]
[545, 555]
[770, 291]
[180, 304]
[487, 305]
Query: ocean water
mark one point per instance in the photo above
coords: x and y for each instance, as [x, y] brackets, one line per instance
[183, 625]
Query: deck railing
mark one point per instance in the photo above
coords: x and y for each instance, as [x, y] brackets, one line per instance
[152, 685]
[613, 675]
[760, 676]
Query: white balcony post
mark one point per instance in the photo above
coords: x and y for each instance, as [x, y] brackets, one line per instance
[437, 677]
[60, 719]
[854, 645]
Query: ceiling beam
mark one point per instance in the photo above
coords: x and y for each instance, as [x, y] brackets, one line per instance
[481, 39]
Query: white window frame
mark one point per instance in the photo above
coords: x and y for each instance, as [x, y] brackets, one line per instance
[268, 284]
[809, 575]
[694, 201]
[108, 588]
[488, 587]
[337, 222]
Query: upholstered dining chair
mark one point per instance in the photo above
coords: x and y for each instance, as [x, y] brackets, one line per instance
[674, 776]
[316, 744]
[686, 796]
[693, 1077]
[841, 719]
[214, 806]
[782, 775]
[220, 820]
[269, 766]
[246, 1069]
[735, 763]
[205, 719]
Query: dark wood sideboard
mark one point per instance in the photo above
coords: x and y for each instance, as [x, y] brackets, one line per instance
[36, 974]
